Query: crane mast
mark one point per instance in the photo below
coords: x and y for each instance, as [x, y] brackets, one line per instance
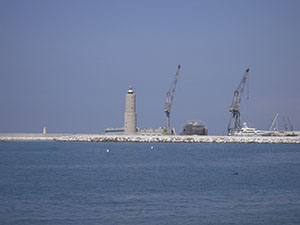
[235, 121]
[169, 100]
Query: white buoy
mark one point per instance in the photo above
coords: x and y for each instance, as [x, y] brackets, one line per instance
[151, 147]
[107, 150]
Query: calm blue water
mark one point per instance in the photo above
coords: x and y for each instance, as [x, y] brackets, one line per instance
[80, 183]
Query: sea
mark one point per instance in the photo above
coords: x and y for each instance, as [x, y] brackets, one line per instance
[148, 183]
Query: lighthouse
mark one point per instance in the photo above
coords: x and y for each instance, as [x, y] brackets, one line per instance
[130, 113]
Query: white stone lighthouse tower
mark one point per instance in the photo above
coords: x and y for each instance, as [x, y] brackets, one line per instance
[130, 114]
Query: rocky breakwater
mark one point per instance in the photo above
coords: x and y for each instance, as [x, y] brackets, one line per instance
[25, 139]
[181, 139]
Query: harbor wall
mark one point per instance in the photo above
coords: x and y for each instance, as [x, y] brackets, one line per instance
[148, 138]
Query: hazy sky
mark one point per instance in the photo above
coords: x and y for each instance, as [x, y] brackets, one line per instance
[67, 65]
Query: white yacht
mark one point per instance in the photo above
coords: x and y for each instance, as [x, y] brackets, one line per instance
[250, 131]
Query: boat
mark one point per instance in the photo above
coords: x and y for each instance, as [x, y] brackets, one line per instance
[250, 131]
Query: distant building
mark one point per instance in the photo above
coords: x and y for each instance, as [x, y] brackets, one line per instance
[194, 128]
[151, 131]
[114, 130]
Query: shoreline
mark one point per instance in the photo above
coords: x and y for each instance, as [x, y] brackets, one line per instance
[32, 137]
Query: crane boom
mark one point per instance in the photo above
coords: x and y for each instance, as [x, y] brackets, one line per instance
[235, 122]
[275, 120]
[169, 99]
